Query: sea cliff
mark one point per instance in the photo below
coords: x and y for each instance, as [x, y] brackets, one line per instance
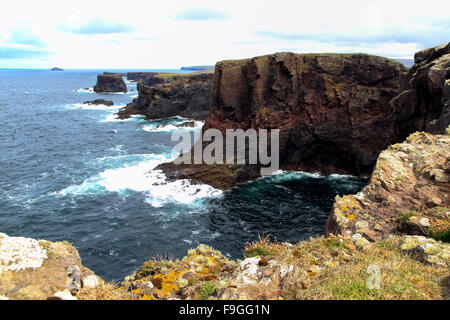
[357, 114]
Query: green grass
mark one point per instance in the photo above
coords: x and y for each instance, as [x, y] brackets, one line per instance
[169, 75]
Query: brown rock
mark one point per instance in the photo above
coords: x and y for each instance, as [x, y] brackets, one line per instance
[332, 111]
[110, 83]
[263, 262]
[185, 95]
[157, 282]
[403, 180]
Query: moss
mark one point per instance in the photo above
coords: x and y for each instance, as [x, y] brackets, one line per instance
[207, 290]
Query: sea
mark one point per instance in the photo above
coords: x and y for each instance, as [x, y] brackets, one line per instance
[73, 171]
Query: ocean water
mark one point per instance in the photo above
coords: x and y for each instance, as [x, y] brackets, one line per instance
[71, 171]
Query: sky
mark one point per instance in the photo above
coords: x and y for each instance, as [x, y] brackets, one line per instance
[146, 34]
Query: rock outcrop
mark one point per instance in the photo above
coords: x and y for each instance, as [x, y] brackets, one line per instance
[147, 77]
[100, 102]
[422, 95]
[440, 124]
[37, 269]
[184, 95]
[110, 83]
[332, 110]
[320, 268]
[410, 179]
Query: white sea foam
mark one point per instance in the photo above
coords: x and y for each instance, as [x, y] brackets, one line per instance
[173, 126]
[84, 90]
[336, 176]
[88, 106]
[113, 118]
[142, 177]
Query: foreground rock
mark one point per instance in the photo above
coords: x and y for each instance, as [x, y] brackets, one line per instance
[35, 270]
[428, 250]
[184, 95]
[410, 179]
[110, 83]
[320, 268]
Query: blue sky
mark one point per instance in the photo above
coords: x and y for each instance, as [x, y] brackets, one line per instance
[170, 34]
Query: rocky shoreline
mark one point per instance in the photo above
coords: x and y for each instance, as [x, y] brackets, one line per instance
[390, 241]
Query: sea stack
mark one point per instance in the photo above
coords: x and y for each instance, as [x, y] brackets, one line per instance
[110, 83]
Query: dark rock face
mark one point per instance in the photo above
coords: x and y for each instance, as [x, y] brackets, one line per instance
[110, 83]
[148, 78]
[186, 96]
[100, 101]
[422, 98]
[331, 110]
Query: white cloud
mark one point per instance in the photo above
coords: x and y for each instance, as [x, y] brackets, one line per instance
[156, 34]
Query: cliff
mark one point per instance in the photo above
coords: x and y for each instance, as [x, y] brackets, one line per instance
[164, 96]
[145, 76]
[422, 97]
[332, 110]
[110, 83]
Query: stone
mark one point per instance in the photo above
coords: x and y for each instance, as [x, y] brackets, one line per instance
[74, 278]
[427, 250]
[263, 262]
[360, 242]
[91, 281]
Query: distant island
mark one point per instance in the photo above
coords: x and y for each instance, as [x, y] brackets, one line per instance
[57, 69]
[197, 68]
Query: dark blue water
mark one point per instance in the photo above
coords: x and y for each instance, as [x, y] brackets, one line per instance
[72, 172]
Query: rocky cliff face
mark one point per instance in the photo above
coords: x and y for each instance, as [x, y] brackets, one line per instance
[110, 83]
[332, 109]
[186, 95]
[422, 95]
[410, 179]
[148, 78]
